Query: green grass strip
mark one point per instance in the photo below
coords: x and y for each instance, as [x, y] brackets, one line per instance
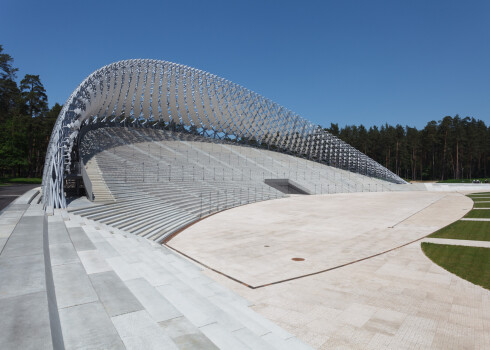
[21, 180]
[471, 230]
[469, 263]
[481, 205]
[480, 214]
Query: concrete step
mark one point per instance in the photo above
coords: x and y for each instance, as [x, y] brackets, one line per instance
[140, 294]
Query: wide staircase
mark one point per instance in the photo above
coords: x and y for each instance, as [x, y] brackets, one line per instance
[71, 283]
[99, 188]
[162, 181]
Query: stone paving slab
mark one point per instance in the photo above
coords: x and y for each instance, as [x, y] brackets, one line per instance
[159, 308]
[15, 206]
[222, 338]
[6, 230]
[251, 340]
[58, 234]
[80, 239]
[105, 249]
[21, 275]
[24, 322]
[72, 285]
[93, 261]
[124, 270]
[484, 244]
[474, 219]
[26, 239]
[63, 253]
[189, 305]
[113, 293]
[151, 338]
[87, 326]
[185, 335]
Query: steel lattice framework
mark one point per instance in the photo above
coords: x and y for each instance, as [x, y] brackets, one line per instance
[151, 91]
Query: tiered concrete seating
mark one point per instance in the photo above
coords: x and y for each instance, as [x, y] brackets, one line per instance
[70, 283]
[117, 290]
[163, 181]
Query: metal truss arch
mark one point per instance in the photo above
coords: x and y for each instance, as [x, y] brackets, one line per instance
[154, 91]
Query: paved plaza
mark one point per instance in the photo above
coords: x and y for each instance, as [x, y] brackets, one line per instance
[396, 300]
[255, 243]
[364, 282]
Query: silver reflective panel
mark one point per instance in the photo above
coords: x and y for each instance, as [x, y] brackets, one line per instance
[151, 91]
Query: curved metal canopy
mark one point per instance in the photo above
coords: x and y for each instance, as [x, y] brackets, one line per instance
[152, 91]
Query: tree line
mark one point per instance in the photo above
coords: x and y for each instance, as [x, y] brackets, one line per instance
[451, 148]
[25, 122]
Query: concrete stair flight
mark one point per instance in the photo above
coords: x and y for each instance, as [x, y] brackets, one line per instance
[117, 290]
[99, 188]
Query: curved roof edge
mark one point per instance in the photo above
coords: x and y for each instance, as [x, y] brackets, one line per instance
[160, 91]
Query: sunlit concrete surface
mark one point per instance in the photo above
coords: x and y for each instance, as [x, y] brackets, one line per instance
[255, 243]
[396, 300]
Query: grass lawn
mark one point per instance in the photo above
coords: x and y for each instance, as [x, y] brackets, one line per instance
[470, 263]
[471, 230]
[479, 194]
[481, 205]
[480, 214]
[20, 180]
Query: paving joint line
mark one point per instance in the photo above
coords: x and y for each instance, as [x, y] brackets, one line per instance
[312, 273]
[437, 200]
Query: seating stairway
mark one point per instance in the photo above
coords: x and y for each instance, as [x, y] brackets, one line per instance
[99, 187]
[117, 290]
[163, 181]
[71, 283]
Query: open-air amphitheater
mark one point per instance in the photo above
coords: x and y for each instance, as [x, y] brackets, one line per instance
[180, 210]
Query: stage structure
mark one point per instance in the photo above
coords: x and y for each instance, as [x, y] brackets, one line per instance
[165, 94]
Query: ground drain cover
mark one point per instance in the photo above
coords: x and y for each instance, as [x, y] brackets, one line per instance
[298, 259]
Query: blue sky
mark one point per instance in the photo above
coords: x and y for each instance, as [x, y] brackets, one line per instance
[346, 62]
